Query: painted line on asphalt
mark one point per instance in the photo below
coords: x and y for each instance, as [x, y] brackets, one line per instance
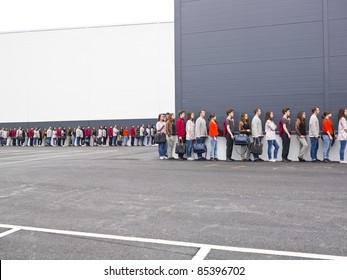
[202, 253]
[9, 232]
[179, 243]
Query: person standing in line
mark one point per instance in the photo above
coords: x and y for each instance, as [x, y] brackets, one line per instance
[201, 131]
[44, 137]
[63, 136]
[54, 137]
[313, 133]
[286, 136]
[14, 136]
[18, 137]
[148, 135]
[327, 135]
[5, 137]
[181, 130]
[245, 128]
[110, 135]
[142, 135]
[161, 128]
[59, 136]
[342, 133]
[137, 135]
[126, 136]
[257, 131]
[104, 136]
[270, 134]
[153, 131]
[49, 136]
[73, 136]
[87, 134]
[93, 137]
[230, 127]
[300, 129]
[115, 135]
[171, 135]
[132, 135]
[213, 133]
[35, 136]
[31, 137]
[78, 136]
[190, 134]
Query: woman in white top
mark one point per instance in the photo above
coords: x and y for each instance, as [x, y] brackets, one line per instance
[270, 132]
[161, 128]
[190, 134]
[342, 133]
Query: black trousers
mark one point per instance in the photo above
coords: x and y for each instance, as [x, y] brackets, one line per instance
[230, 146]
[286, 145]
[132, 140]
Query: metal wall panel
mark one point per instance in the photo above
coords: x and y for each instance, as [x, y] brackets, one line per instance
[265, 53]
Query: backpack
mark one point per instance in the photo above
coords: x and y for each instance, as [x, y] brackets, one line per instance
[280, 126]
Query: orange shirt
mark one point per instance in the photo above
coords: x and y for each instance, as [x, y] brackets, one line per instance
[126, 132]
[213, 129]
[327, 126]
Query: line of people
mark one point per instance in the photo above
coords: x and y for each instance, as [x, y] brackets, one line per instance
[80, 136]
[188, 131]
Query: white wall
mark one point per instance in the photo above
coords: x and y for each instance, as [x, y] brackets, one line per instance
[119, 72]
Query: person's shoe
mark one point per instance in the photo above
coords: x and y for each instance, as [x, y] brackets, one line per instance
[301, 159]
[285, 160]
[211, 158]
[272, 160]
[161, 157]
[343, 161]
[326, 160]
[260, 159]
[190, 158]
[165, 157]
[230, 159]
[289, 160]
[244, 159]
[171, 158]
[215, 159]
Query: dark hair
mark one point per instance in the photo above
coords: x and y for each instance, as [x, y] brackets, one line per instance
[267, 116]
[325, 114]
[314, 109]
[201, 110]
[180, 112]
[285, 110]
[341, 113]
[229, 110]
[212, 115]
[190, 116]
[256, 110]
[300, 116]
[243, 118]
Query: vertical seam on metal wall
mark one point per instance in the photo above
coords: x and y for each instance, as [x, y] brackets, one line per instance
[326, 55]
[178, 57]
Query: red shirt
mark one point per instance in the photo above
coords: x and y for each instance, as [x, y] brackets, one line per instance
[181, 128]
[327, 126]
[87, 132]
[213, 129]
[58, 133]
[110, 132]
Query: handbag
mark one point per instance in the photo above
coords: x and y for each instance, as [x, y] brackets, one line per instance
[180, 147]
[199, 148]
[256, 148]
[160, 138]
[241, 140]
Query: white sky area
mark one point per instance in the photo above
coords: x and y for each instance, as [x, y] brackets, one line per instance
[25, 15]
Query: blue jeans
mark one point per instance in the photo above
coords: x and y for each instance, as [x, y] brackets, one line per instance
[213, 151]
[114, 141]
[342, 149]
[126, 140]
[326, 146]
[162, 149]
[271, 143]
[314, 147]
[200, 140]
[189, 148]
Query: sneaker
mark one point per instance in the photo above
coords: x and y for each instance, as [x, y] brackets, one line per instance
[343, 161]
[211, 158]
[165, 157]
[326, 160]
[190, 158]
[215, 159]
[272, 160]
[161, 157]
[230, 159]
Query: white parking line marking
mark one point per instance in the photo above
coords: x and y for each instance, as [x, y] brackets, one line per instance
[180, 243]
[202, 253]
[9, 232]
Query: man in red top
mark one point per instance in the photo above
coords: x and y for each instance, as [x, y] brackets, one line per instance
[110, 135]
[31, 137]
[14, 135]
[132, 134]
[59, 136]
[181, 129]
[87, 134]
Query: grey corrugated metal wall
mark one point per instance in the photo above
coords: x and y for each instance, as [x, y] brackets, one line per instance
[266, 53]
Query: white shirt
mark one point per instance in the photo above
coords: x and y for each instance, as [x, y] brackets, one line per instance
[313, 130]
[270, 130]
[342, 134]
